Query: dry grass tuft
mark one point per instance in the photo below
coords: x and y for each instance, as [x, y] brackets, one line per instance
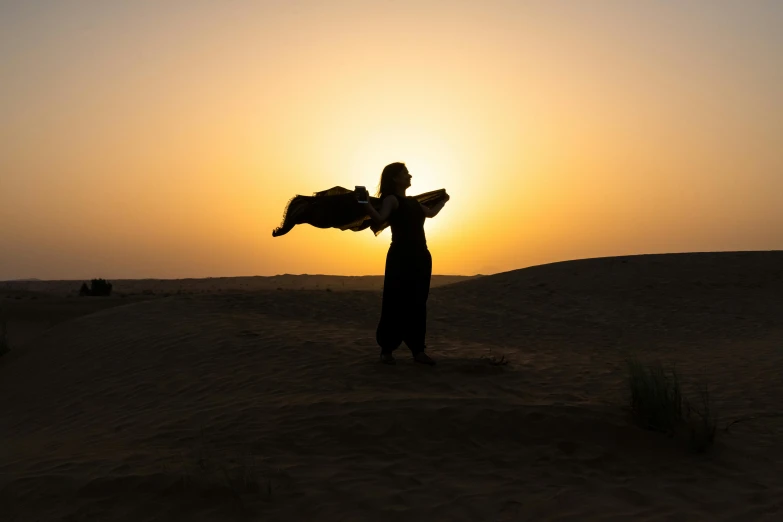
[657, 404]
[495, 360]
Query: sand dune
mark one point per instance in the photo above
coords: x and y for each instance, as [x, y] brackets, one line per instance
[269, 404]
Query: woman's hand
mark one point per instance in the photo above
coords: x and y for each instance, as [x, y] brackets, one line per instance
[431, 212]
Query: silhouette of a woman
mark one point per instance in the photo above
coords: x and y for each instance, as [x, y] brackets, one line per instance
[406, 283]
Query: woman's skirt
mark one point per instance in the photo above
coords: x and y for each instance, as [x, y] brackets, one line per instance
[406, 287]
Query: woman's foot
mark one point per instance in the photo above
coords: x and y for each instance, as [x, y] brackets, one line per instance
[387, 358]
[423, 358]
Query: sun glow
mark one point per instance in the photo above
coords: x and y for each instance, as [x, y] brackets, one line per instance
[179, 136]
[425, 152]
[429, 154]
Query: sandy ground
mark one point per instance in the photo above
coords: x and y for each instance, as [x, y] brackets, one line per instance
[266, 404]
[29, 306]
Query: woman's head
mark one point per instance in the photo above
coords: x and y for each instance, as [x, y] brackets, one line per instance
[394, 178]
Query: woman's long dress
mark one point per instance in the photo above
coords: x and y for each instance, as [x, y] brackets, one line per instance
[406, 283]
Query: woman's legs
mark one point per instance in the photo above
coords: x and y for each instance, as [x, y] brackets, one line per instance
[417, 291]
[406, 287]
[388, 335]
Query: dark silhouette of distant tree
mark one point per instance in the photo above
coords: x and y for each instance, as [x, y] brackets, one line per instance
[98, 287]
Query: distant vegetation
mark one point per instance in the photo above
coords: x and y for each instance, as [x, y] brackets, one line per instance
[657, 404]
[98, 287]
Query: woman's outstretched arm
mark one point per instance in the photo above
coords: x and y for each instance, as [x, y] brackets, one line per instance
[432, 211]
[387, 206]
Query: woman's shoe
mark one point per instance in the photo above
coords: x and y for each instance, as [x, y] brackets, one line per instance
[387, 358]
[423, 358]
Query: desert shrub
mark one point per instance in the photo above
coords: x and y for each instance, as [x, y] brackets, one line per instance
[98, 287]
[658, 404]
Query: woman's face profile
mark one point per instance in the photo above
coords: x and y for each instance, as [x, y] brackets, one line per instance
[403, 179]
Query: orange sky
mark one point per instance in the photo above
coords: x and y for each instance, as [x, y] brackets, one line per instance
[163, 139]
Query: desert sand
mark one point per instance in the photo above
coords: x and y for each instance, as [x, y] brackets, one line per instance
[223, 399]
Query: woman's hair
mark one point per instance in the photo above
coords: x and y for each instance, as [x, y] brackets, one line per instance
[386, 185]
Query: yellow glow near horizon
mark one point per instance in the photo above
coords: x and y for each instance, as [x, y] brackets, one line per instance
[172, 134]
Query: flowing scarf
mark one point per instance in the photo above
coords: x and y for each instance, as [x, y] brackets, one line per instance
[337, 207]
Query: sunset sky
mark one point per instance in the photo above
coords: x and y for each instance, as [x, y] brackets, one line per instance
[164, 138]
